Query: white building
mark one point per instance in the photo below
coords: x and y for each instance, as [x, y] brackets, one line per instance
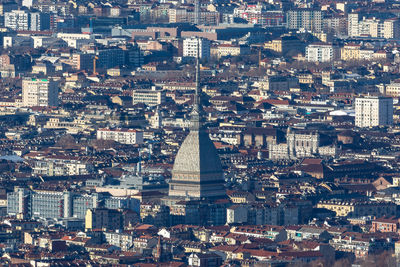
[17, 20]
[192, 45]
[322, 52]
[123, 136]
[372, 27]
[149, 97]
[373, 111]
[39, 92]
[21, 20]
[62, 167]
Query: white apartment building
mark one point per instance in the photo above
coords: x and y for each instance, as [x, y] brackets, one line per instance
[17, 20]
[123, 136]
[39, 92]
[21, 20]
[322, 52]
[149, 97]
[193, 45]
[372, 27]
[373, 111]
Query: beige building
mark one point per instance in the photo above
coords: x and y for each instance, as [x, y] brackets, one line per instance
[358, 209]
[224, 50]
[392, 89]
[39, 92]
[350, 52]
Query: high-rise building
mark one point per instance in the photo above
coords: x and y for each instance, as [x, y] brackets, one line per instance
[352, 25]
[304, 19]
[17, 20]
[39, 92]
[373, 111]
[194, 46]
[21, 20]
[39, 21]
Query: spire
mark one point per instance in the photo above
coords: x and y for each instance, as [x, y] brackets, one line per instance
[196, 111]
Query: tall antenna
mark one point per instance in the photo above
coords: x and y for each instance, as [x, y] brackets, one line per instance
[195, 114]
[197, 73]
[197, 12]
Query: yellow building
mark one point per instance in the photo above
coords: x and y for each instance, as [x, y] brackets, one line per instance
[305, 78]
[274, 45]
[359, 208]
[284, 44]
[350, 52]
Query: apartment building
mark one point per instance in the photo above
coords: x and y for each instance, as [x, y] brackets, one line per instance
[224, 50]
[350, 52]
[62, 167]
[284, 44]
[39, 92]
[179, 15]
[362, 26]
[359, 208]
[257, 14]
[322, 52]
[123, 136]
[373, 111]
[192, 46]
[392, 89]
[62, 204]
[305, 19]
[101, 218]
[21, 20]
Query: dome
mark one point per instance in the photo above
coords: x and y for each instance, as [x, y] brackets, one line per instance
[197, 155]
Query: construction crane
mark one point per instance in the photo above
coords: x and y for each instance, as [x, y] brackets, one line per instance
[94, 64]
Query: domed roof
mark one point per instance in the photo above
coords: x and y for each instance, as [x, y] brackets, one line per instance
[197, 155]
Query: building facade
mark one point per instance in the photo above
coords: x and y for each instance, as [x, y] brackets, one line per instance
[304, 19]
[192, 46]
[39, 92]
[21, 20]
[62, 204]
[123, 136]
[323, 52]
[149, 97]
[373, 111]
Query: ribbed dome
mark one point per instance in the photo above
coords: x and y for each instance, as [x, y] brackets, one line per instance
[197, 155]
